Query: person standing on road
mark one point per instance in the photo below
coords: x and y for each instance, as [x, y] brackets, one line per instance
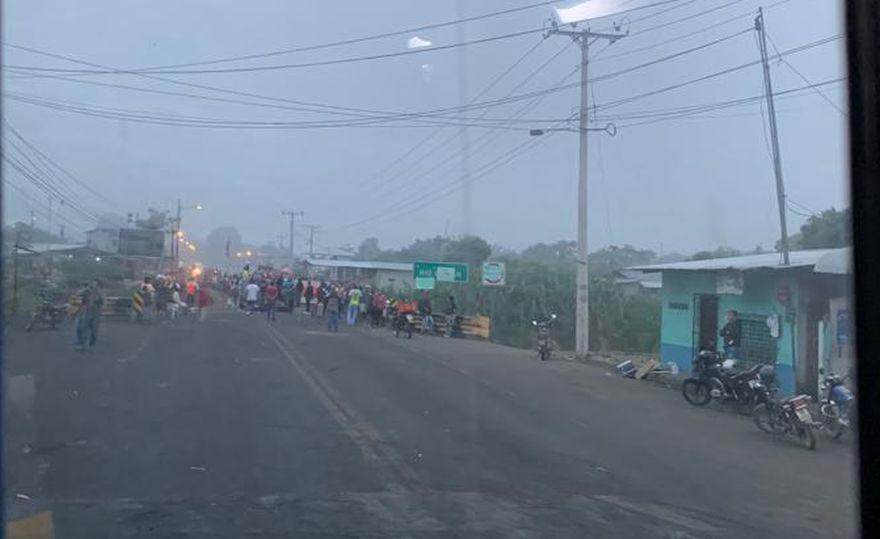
[425, 311]
[88, 315]
[271, 298]
[251, 295]
[298, 290]
[332, 311]
[287, 292]
[309, 293]
[451, 314]
[192, 288]
[731, 335]
[354, 305]
[205, 300]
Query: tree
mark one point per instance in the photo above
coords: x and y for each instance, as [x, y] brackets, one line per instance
[470, 250]
[214, 249]
[613, 258]
[369, 250]
[829, 229]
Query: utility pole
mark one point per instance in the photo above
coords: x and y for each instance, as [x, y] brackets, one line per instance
[312, 229]
[774, 137]
[464, 137]
[291, 214]
[49, 217]
[582, 308]
[175, 245]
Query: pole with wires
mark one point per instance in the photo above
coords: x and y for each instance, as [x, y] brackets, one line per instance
[291, 214]
[582, 318]
[774, 137]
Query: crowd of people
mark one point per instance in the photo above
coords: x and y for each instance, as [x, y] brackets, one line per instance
[271, 290]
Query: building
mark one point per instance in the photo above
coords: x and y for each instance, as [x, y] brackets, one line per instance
[127, 241]
[634, 282]
[797, 317]
[385, 275]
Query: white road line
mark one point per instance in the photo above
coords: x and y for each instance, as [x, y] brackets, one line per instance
[376, 451]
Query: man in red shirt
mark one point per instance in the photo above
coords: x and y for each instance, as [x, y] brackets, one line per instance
[272, 294]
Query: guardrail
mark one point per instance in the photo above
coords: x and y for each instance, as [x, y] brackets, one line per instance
[471, 326]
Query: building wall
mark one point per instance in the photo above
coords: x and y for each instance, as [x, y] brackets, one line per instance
[105, 240]
[759, 298]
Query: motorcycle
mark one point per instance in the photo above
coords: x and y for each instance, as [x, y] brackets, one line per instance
[714, 378]
[789, 417]
[545, 347]
[835, 402]
[403, 323]
[47, 314]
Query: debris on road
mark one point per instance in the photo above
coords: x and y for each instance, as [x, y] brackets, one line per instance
[198, 468]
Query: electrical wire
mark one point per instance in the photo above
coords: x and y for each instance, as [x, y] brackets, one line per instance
[276, 67]
[804, 78]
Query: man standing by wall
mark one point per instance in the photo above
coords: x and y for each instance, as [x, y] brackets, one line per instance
[731, 335]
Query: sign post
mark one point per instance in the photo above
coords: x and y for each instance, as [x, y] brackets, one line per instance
[494, 274]
[427, 274]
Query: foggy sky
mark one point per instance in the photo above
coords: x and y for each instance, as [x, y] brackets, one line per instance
[683, 185]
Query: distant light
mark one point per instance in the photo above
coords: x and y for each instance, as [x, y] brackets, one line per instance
[591, 9]
[196, 271]
[97, 259]
[191, 247]
[248, 253]
[180, 233]
[416, 42]
[238, 254]
[199, 207]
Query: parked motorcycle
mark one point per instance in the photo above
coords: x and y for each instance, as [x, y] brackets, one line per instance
[835, 402]
[789, 417]
[47, 314]
[714, 378]
[545, 347]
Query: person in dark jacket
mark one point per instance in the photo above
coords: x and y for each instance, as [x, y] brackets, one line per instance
[731, 335]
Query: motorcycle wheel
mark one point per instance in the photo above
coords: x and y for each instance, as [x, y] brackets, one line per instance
[806, 437]
[695, 392]
[761, 417]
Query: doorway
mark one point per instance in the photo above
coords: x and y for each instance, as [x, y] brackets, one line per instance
[705, 322]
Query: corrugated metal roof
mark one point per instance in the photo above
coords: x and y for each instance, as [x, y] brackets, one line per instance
[50, 247]
[798, 259]
[359, 264]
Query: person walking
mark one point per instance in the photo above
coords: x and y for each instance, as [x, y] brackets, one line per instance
[192, 288]
[287, 291]
[354, 305]
[251, 295]
[271, 298]
[332, 311]
[88, 315]
[298, 290]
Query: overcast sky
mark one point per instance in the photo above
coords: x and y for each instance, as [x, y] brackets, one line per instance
[685, 184]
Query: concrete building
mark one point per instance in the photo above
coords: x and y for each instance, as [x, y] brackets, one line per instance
[385, 275]
[797, 317]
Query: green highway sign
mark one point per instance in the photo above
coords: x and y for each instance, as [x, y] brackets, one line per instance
[441, 272]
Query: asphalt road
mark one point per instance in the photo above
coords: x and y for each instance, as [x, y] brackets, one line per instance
[235, 427]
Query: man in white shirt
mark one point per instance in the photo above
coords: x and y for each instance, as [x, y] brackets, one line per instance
[251, 294]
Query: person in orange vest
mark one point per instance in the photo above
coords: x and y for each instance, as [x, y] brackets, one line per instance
[192, 288]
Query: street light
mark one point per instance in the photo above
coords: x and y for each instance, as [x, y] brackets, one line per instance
[609, 129]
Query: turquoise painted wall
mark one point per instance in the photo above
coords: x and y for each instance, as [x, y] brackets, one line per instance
[759, 297]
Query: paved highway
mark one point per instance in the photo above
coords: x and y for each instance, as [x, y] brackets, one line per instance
[234, 427]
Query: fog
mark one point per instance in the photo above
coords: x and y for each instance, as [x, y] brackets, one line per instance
[684, 184]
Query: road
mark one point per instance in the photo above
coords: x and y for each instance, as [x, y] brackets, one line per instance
[235, 427]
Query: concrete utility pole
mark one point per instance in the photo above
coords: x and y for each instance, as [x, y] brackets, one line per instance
[464, 137]
[312, 229]
[582, 309]
[291, 214]
[175, 245]
[774, 137]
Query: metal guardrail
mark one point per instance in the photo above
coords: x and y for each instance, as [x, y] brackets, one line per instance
[471, 326]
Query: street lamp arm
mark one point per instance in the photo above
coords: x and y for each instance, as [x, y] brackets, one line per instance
[609, 129]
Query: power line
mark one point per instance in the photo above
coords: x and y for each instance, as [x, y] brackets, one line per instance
[483, 92]
[55, 164]
[276, 67]
[805, 79]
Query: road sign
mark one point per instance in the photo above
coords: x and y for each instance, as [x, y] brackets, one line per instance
[425, 283]
[441, 272]
[494, 273]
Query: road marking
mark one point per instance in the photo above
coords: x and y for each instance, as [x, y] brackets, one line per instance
[36, 526]
[375, 450]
